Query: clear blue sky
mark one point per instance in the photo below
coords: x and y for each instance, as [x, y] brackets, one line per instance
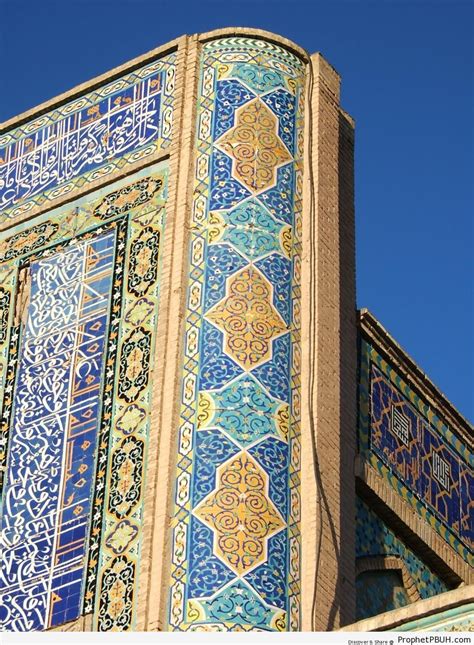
[407, 70]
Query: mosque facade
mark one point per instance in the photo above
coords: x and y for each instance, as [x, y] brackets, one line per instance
[199, 431]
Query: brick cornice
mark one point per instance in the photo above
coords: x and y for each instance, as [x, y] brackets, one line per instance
[389, 563]
[390, 620]
[412, 528]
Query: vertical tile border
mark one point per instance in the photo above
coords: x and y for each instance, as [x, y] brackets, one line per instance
[200, 211]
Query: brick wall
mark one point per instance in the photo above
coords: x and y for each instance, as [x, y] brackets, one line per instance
[330, 351]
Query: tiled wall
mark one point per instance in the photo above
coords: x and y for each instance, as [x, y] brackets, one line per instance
[375, 539]
[459, 619]
[90, 137]
[79, 302]
[378, 592]
[415, 452]
[235, 553]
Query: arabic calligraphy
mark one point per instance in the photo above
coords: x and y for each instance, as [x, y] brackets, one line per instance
[125, 120]
[47, 495]
[80, 142]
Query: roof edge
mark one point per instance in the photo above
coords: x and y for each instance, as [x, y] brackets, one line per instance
[138, 61]
[383, 339]
[262, 34]
[90, 85]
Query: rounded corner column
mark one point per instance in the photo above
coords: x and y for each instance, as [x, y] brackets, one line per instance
[235, 551]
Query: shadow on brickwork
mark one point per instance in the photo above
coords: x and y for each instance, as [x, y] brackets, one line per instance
[344, 601]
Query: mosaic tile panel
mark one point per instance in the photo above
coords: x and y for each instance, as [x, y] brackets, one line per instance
[46, 502]
[87, 138]
[375, 538]
[378, 592]
[83, 289]
[416, 453]
[235, 560]
[459, 619]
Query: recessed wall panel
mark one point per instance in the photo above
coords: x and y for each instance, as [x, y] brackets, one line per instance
[80, 294]
[53, 437]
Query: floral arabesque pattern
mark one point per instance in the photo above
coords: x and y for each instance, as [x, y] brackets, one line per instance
[235, 559]
[240, 513]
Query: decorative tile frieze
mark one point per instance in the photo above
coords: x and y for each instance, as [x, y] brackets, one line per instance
[88, 138]
[415, 452]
